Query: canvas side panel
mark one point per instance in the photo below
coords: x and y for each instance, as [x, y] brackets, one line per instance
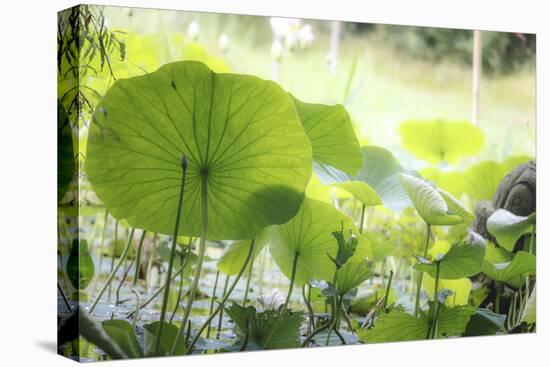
[68, 112]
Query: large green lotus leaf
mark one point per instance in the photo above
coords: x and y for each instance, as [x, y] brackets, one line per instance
[331, 134]
[461, 289]
[65, 152]
[461, 261]
[316, 190]
[508, 227]
[352, 275]
[167, 339]
[441, 141]
[530, 312]
[482, 179]
[376, 183]
[428, 202]
[398, 325]
[124, 335]
[268, 329]
[308, 234]
[502, 266]
[240, 132]
[235, 255]
[379, 245]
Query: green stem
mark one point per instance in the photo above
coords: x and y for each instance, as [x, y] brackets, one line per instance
[497, 299]
[101, 246]
[247, 287]
[113, 273]
[388, 290]
[117, 294]
[337, 309]
[113, 255]
[421, 274]
[64, 298]
[150, 262]
[283, 309]
[212, 303]
[436, 302]
[172, 255]
[307, 301]
[198, 268]
[138, 258]
[159, 291]
[138, 302]
[220, 320]
[363, 209]
[224, 299]
[180, 289]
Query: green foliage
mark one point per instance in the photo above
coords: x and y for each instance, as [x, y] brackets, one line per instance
[486, 322]
[308, 234]
[441, 141]
[352, 275]
[461, 289]
[124, 335]
[508, 227]
[145, 125]
[167, 339]
[503, 266]
[346, 248]
[331, 134]
[435, 206]
[376, 183]
[268, 329]
[461, 261]
[397, 325]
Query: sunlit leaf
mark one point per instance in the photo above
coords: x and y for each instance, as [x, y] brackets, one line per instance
[352, 275]
[331, 134]
[508, 227]
[441, 141]
[461, 261]
[461, 289]
[376, 183]
[308, 234]
[502, 266]
[428, 202]
[229, 127]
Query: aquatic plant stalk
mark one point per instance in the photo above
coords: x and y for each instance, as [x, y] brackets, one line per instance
[433, 326]
[64, 298]
[138, 302]
[388, 290]
[307, 301]
[117, 294]
[198, 269]
[113, 255]
[172, 255]
[101, 246]
[247, 287]
[421, 274]
[180, 289]
[159, 291]
[113, 272]
[224, 299]
[212, 302]
[361, 223]
[138, 258]
[219, 328]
